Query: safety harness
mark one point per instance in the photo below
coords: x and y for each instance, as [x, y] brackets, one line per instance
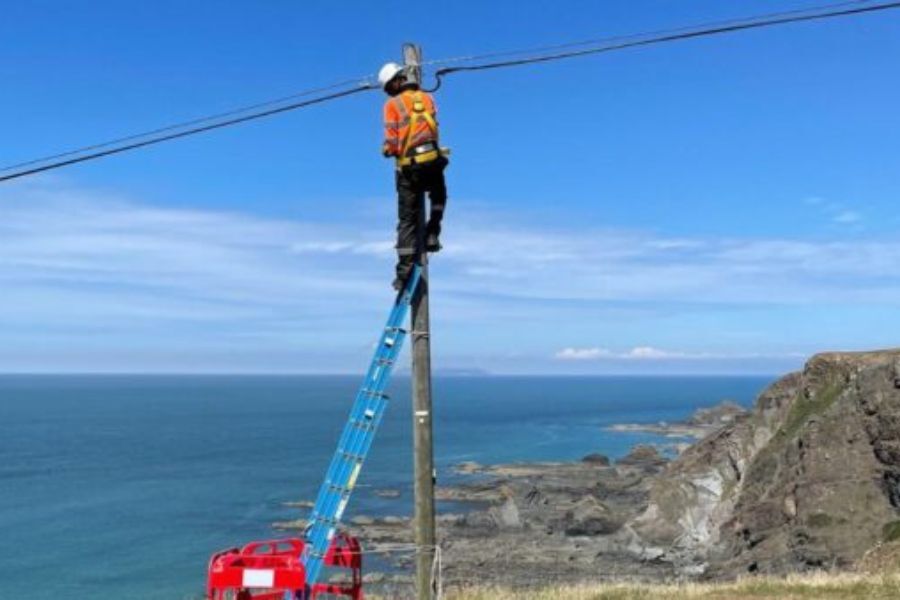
[423, 153]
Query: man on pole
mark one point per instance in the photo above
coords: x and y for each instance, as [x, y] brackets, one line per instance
[411, 137]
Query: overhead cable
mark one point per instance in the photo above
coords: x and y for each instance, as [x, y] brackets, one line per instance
[182, 125]
[180, 134]
[631, 36]
[673, 36]
[531, 56]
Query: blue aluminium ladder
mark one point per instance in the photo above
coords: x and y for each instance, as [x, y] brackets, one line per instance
[365, 416]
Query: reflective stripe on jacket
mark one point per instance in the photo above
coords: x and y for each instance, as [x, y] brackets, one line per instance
[410, 120]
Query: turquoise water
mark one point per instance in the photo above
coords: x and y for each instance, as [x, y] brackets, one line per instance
[121, 487]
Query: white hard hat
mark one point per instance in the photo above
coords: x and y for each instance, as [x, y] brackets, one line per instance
[388, 72]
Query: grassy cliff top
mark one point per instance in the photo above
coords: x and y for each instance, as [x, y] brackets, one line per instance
[817, 586]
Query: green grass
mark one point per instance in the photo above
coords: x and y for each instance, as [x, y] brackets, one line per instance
[816, 586]
[802, 409]
[820, 519]
[891, 531]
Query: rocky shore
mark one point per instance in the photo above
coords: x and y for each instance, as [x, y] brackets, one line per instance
[702, 423]
[809, 479]
[536, 523]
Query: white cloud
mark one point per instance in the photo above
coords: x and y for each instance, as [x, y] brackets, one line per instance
[615, 265]
[836, 212]
[847, 217]
[582, 353]
[114, 262]
[651, 353]
[64, 239]
[638, 352]
[79, 266]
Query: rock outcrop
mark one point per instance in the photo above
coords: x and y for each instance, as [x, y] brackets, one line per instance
[809, 479]
[699, 425]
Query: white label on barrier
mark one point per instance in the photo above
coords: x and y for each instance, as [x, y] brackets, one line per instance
[259, 578]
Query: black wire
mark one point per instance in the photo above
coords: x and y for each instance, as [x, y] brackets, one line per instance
[666, 36]
[175, 126]
[156, 140]
[643, 34]
[670, 37]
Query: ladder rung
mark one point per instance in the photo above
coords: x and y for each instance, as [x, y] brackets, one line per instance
[358, 434]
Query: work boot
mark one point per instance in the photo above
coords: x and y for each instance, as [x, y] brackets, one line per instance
[433, 243]
[403, 273]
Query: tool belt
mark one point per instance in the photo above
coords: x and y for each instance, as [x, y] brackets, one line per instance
[422, 154]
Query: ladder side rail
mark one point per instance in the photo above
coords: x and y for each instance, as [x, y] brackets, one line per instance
[351, 456]
[340, 489]
[382, 400]
[351, 439]
[335, 491]
[356, 439]
[332, 490]
[333, 475]
[359, 407]
[336, 499]
[340, 480]
[334, 486]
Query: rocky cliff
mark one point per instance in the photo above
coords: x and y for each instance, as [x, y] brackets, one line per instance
[809, 479]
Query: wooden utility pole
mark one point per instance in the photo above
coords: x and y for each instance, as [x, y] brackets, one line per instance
[423, 444]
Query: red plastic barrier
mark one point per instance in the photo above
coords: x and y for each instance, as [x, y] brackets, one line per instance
[267, 569]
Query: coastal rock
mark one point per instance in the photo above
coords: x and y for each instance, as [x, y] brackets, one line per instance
[837, 457]
[718, 415]
[644, 457]
[700, 424]
[371, 578]
[295, 524]
[467, 468]
[697, 492]
[589, 516]
[601, 460]
[537, 520]
[810, 479]
[479, 492]
[506, 515]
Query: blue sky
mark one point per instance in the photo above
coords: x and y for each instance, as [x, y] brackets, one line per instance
[725, 205]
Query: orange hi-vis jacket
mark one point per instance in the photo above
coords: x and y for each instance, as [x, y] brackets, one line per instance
[410, 120]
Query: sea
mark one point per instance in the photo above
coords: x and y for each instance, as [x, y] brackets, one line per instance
[121, 487]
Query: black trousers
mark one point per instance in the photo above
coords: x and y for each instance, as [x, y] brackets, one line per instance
[413, 182]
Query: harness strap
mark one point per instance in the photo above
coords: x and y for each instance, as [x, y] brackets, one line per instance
[418, 113]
